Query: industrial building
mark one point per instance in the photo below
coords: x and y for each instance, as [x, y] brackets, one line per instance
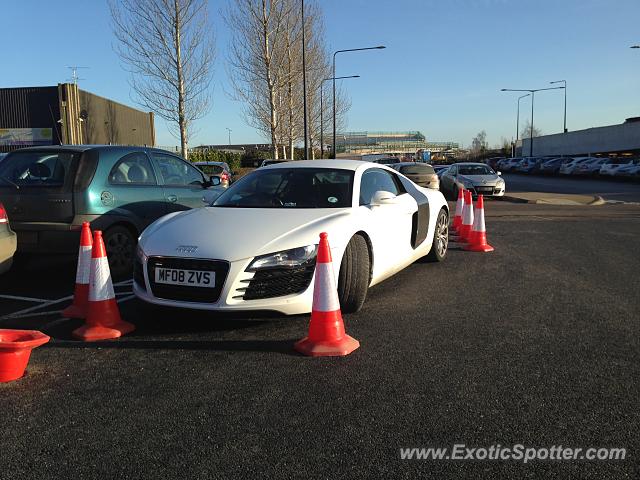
[379, 142]
[357, 143]
[611, 140]
[64, 114]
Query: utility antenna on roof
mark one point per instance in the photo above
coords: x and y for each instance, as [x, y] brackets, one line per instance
[74, 73]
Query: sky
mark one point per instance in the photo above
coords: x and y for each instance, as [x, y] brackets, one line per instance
[441, 73]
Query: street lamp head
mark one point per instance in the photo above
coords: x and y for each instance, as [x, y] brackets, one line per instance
[634, 46]
[382, 46]
[503, 89]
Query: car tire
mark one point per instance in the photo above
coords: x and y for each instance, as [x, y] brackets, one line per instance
[353, 279]
[120, 245]
[440, 244]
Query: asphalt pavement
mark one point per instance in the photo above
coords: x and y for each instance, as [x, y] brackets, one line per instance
[536, 343]
[609, 189]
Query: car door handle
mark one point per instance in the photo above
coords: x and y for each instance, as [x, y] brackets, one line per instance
[172, 198]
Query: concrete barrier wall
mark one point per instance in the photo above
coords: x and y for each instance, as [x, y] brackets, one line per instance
[612, 138]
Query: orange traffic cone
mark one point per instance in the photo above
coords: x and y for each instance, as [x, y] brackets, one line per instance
[103, 316]
[478, 236]
[467, 217]
[327, 337]
[78, 309]
[457, 219]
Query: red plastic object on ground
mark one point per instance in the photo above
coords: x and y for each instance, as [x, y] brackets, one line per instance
[103, 315]
[457, 219]
[78, 309]
[327, 337]
[478, 235]
[467, 218]
[15, 350]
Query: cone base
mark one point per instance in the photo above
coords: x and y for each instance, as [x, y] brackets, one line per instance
[74, 311]
[92, 333]
[338, 348]
[479, 248]
[13, 364]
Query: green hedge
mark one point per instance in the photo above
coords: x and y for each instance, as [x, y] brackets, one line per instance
[232, 159]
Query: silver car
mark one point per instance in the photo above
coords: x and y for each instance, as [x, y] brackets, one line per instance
[476, 177]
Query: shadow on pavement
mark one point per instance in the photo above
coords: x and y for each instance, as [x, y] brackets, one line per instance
[275, 346]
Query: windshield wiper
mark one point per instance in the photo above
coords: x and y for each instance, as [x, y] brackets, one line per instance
[9, 181]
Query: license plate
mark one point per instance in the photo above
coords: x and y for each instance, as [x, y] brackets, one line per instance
[189, 278]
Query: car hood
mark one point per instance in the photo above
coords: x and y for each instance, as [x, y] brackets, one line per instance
[480, 179]
[237, 233]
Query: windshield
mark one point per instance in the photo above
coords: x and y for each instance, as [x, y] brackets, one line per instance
[475, 170]
[35, 169]
[417, 169]
[290, 188]
[211, 169]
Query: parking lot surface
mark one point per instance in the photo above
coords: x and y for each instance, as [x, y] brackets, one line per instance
[608, 189]
[536, 343]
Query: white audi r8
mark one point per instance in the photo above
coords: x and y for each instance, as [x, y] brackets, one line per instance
[254, 247]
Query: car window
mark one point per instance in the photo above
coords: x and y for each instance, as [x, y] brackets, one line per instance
[452, 170]
[373, 180]
[35, 169]
[176, 172]
[417, 169]
[132, 169]
[290, 188]
[211, 169]
[478, 169]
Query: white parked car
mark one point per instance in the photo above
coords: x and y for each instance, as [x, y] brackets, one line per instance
[631, 170]
[610, 167]
[570, 167]
[254, 248]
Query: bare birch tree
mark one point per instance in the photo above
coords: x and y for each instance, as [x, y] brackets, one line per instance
[255, 62]
[168, 47]
[265, 67]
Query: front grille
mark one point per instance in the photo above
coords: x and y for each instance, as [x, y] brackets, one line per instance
[187, 293]
[278, 282]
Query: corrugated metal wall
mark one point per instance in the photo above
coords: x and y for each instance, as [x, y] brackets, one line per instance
[75, 116]
[30, 107]
[109, 122]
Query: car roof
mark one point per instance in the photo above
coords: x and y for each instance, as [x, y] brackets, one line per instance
[204, 164]
[340, 164]
[405, 164]
[84, 148]
[471, 163]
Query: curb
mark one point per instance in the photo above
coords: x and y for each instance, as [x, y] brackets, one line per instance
[597, 200]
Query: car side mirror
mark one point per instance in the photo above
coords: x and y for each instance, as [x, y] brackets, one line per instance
[382, 197]
[499, 173]
[214, 180]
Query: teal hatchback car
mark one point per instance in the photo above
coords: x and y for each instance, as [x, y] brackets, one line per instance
[48, 192]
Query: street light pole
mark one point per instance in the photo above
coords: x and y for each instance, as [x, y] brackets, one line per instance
[322, 110]
[518, 121]
[532, 92]
[333, 147]
[229, 130]
[304, 90]
[565, 101]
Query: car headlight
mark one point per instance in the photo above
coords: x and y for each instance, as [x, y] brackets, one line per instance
[287, 258]
[140, 255]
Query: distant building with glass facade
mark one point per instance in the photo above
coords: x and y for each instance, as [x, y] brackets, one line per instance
[389, 142]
